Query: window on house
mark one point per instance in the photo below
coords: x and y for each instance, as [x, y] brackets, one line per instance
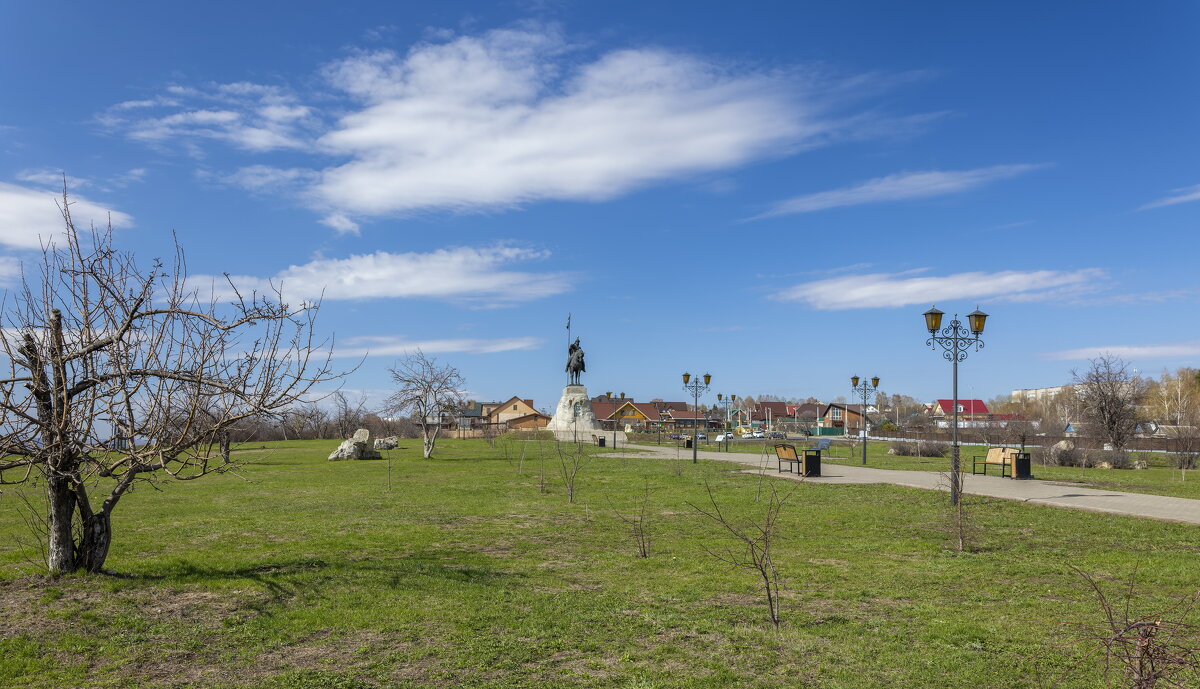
[961, 409]
[836, 414]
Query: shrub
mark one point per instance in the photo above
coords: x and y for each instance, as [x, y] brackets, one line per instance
[1117, 459]
[1068, 457]
[919, 448]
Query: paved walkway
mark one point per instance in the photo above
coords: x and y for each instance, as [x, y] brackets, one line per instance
[1052, 493]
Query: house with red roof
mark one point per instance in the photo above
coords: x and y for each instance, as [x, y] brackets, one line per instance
[967, 409]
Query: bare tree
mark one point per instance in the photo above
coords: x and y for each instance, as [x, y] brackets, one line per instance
[569, 464]
[1108, 395]
[119, 375]
[304, 421]
[756, 542]
[433, 394]
[348, 414]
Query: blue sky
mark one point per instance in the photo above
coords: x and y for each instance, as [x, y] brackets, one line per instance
[772, 192]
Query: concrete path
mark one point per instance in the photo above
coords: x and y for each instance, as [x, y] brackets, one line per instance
[1052, 493]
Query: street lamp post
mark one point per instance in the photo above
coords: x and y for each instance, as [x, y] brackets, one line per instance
[696, 387]
[955, 341]
[864, 390]
[726, 400]
[609, 395]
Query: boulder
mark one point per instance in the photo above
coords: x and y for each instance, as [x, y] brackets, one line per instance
[1104, 465]
[389, 443]
[359, 446]
[1141, 464]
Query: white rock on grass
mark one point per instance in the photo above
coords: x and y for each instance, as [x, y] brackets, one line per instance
[357, 447]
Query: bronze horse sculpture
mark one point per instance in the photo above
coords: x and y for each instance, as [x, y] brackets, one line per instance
[575, 364]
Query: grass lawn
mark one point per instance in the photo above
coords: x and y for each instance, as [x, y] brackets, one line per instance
[312, 574]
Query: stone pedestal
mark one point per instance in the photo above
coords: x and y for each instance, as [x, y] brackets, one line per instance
[566, 423]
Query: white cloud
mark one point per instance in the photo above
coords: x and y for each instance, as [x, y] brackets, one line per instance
[1182, 350]
[508, 117]
[398, 345]
[340, 223]
[10, 270]
[902, 289]
[253, 117]
[1181, 195]
[264, 178]
[28, 217]
[52, 178]
[500, 119]
[898, 187]
[466, 274]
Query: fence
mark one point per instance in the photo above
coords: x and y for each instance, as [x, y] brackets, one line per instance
[998, 436]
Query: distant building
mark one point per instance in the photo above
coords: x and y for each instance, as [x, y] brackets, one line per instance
[1039, 394]
[846, 416]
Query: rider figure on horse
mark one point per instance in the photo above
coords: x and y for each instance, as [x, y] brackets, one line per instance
[575, 364]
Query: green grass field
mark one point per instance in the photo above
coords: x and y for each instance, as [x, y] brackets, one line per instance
[311, 574]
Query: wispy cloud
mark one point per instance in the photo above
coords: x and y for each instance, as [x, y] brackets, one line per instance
[29, 217]
[253, 117]
[52, 178]
[1182, 350]
[1181, 195]
[897, 187]
[902, 289]
[508, 117]
[478, 276]
[399, 345]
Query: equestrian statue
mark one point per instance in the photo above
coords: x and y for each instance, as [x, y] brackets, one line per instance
[575, 364]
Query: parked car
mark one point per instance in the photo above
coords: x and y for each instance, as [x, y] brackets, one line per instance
[776, 435]
[758, 434]
[676, 436]
[701, 436]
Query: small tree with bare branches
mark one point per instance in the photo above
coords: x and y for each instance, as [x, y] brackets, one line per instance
[119, 375]
[569, 464]
[755, 544]
[433, 394]
[638, 524]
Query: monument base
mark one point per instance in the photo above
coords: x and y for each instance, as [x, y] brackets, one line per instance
[574, 418]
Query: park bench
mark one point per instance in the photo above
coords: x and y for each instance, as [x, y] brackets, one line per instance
[786, 453]
[807, 464]
[997, 456]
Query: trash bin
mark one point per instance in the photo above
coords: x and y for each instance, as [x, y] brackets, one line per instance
[600, 441]
[811, 463]
[1022, 467]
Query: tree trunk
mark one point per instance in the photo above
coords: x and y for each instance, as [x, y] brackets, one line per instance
[97, 535]
[60, 548]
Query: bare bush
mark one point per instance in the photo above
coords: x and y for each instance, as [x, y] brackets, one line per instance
[1161, 648]
[755, 544]
[638, 524]
[918, 448]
